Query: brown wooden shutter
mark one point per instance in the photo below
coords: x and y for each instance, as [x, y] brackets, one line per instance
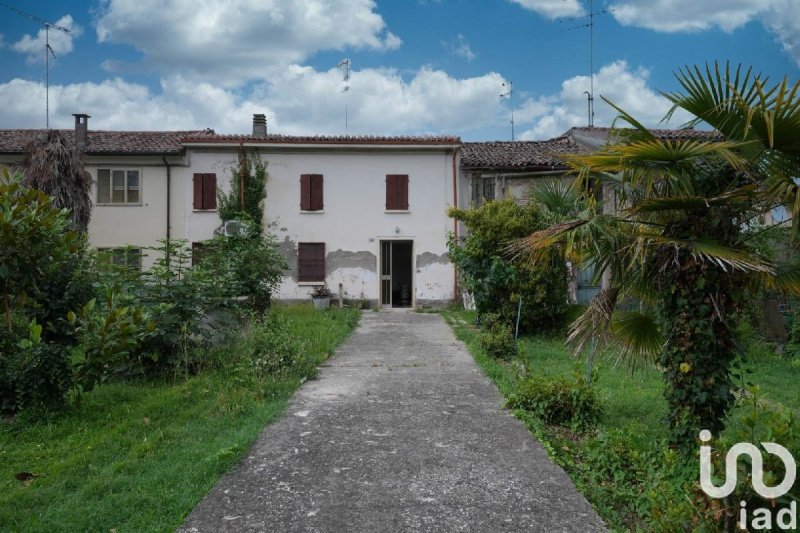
[396, 192]
[209, 191]
[390, 196]
[198, 191]
[305, 192]
[311, 261]
[316, 192]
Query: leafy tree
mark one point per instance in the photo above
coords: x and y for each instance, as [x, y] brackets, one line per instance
[678, 241]
[248, 202]
[53, 165]
[495, 281]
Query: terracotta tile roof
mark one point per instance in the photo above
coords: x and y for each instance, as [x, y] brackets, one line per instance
[519, 155]
[420, 140]
[663, 134]
[109, 142]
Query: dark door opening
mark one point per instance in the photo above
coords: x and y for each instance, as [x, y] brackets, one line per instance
[397, 276]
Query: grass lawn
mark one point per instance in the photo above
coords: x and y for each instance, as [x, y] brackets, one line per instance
[633, 404]
[139, 457]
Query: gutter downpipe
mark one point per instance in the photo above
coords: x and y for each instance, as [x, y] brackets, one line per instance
[169, 203]
[455, 222]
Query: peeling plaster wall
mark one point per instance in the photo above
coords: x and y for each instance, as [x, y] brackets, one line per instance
[354, 220]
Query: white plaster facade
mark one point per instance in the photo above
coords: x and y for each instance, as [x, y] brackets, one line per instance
[354, 220]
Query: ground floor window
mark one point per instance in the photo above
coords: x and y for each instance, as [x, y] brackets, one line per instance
[482, 190]
[125, 256]
[311, 261]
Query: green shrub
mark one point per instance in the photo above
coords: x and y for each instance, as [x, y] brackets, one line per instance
[558, 401]
[37, 374]
[496, 337]
[269, 347]
[791, 349]
[495, 280]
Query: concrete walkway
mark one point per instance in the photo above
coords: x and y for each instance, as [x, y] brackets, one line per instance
[401, 432]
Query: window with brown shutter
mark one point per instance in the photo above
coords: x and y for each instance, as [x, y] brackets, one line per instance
[397, 192]
[311, 261]
[205, 191]
[311, 192]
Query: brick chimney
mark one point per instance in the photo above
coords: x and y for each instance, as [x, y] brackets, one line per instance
[259, 125]
[81, 130]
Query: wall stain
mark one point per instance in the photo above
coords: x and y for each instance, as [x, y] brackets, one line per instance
[428, 259]
[347, 259]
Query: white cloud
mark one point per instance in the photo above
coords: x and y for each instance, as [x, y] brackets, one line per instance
[60, 42]
[688, 15]
[627, 88]
[299, 101]
[553, 8]
[459, 47]
[781, 17]
[226, 43]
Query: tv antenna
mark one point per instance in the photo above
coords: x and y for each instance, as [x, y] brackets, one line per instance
[510, 95]
[345, 66]
[48, 51]
[589, 24]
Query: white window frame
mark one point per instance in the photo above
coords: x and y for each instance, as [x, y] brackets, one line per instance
[111, 171]
[128, 251]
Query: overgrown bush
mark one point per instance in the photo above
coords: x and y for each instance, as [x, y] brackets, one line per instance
[38, 256]
[269, 347]
[791, 349]
[496, 337]
[250, 264]
[496, 282]
[558, 401]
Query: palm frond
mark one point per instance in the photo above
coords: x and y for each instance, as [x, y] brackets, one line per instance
[739, 196]
[705, 249]
[594, 323]
[637, 338]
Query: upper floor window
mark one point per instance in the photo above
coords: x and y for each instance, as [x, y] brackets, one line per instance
[397, 192]
[118, 186]
[311, 192]
[205, 191]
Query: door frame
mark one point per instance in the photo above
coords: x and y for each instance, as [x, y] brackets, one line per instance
[390, 241]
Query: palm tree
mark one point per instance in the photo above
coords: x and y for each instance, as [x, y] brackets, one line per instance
[680, 239]
[53, 165]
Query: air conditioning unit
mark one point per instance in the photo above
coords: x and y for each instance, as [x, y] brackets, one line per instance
[233, 228]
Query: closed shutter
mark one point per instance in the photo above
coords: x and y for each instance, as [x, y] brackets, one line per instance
[198, 191]
[311, 261]
[205, 191]
[316, 192]
[305, 192]
[397, 192]
[209, 191]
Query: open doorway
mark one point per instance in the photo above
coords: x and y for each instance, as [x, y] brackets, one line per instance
[397, 274]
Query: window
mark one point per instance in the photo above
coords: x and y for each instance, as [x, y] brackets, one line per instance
[205, 192]
[397, 192]
[311, 192]
[482, 190]
[311, 261]
[127, 257]
[118, 186]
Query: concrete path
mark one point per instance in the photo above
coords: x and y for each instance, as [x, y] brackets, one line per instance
[401, 432]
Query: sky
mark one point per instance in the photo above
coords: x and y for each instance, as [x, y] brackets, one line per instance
[419, 67]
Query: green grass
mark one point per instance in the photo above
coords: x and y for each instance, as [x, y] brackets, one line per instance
[139, 457]
[634, 409]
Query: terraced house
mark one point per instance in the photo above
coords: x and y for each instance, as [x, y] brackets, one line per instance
[366, 215]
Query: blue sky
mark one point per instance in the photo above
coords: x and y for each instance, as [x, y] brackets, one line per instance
[419, 66]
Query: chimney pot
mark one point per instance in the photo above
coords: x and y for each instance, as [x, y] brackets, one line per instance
[81, 130]
[259, 125]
